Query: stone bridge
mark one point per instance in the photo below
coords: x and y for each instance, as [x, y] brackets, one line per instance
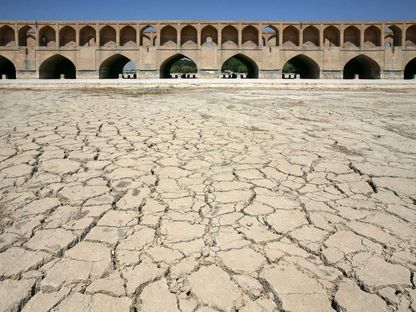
[100, 49]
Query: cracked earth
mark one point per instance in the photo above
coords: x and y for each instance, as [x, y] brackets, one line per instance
[207, 200]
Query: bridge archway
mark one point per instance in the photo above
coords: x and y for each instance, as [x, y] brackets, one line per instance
[270, 36]
[410, 69]
[393, 36]
[352, 37]
[87, 36]
[331, 36]
[209, 36]
[411, 36]
[290, 36]
[189, 36]
[311, 36]
[302, 65]
[229, 36]
[372, 37]
[113, 66]
[128, 36]
[27, 36]
[148, 36]
[7, 37]
[67, 37]
[168, 36]
[250, 36]
[7, 68]
[363, 66]
[167, 66]
[47, 37]
[107, 36]
[251, 68]
[55, 66]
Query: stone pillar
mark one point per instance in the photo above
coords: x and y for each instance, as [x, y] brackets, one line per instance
[178, 35]
[3, 76]
[117, 35]
[301, 36]
[198, 36]
[341, 35]
[321, 35]
[16, 35]
[138, 37]
[219, 30]
[260, 30]
[382, 35]
[57, 35]
[240, 35]
[280, 30]
[97, 31]
[403, 29]
[77, 35]
[362, 31]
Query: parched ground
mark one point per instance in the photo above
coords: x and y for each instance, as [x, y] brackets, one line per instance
[207, 200]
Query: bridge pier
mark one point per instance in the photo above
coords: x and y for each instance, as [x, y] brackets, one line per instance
[88, 74]
[270, 74]
[27, 74]
[148, 74]
[208, 73]
[393, 74]
[331, 74]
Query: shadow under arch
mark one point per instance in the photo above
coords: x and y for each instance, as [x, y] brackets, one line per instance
[363, 66]
[252, 68]
[55, 66]
[410, 69]
[302, 65]
[113, 66]
[165, 67]
[7, 68]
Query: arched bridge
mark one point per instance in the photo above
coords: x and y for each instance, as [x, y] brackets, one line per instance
[331, 50]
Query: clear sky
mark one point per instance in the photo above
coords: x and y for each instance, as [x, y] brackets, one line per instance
[287, 10]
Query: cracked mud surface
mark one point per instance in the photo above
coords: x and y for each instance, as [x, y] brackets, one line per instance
[207, 200]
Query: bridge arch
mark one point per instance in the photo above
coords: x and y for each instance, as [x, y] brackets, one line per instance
[311, 36]
[252, 68]
[55, 66]
[209, 36]
[113, 66]
[7, 68]
[166, 66]
[47, 36]
[304, 66]
[87, 36]
[363, 66]
[411, 36]
[108, 36]
[148, 36]
[270, 36]
[189, 36]
[27, 36]
[290, 36]
[331, 36]
[372, 37]
[351, 37]
[229, 36]
[410, 69]
[393, 36]
[7, 37]
[67, 37]
[168, 36]
[128, 36]
[250, 36]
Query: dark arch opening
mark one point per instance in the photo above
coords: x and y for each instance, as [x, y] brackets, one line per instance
[178, 66]
[363, 66]
[410, 70]
[239, 64]
[55, 66]
[7, 68]
[112, 67]
[303, 66]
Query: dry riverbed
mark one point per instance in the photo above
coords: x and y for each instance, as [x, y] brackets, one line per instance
[207, 200]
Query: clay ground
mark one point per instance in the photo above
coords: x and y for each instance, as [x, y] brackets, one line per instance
[208, 200]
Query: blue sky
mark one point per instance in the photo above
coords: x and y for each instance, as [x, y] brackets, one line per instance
[288, 10]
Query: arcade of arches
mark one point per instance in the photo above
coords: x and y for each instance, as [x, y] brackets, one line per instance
[330, 50]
